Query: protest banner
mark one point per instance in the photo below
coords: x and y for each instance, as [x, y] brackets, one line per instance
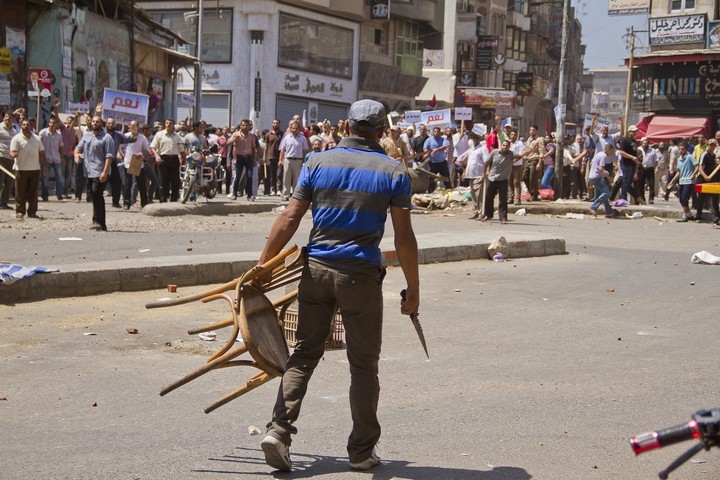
[436, 118]
[125, 107]
[463, 113]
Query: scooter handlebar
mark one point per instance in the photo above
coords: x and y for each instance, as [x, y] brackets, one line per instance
[667, 436]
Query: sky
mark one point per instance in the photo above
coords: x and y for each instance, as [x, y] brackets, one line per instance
[603, 34]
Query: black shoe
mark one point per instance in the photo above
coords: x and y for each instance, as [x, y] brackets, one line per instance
[96, 226]
[126, 207]
[5, 206]
[116, 205]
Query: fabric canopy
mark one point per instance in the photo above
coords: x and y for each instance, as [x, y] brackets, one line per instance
[660, 128]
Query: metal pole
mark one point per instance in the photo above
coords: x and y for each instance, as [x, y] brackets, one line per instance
[198, 66]
[562, 93]
[629, 79]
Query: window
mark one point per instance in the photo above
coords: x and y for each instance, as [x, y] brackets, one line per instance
[515, 43]
[374, 38]
[217, 31]
[679, 5]
[520, 6]
[409, 54]
[315, 46]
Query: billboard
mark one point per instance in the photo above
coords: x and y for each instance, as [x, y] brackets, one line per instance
[713, 34]
[485, 48]
[679, 86]
[629, 7]
[485, 98]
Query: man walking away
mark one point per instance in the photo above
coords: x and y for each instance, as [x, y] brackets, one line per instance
[687, 168]
[344, 269]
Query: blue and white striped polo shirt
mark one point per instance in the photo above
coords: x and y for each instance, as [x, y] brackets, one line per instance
[350, 188]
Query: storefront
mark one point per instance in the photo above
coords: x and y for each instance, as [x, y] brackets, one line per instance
[678, 83]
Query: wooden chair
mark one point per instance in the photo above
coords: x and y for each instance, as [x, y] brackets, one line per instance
[254, 319]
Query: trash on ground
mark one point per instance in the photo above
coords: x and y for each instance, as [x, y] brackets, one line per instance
[207, 336]
[279, 209]
[522, 212]
[163, 299]
[499, 245]
[70, 239]
[253, 430]
[144, 250]
[576, 216]
[457, 290]
[132, 331]
[635, 215]
[610, 290]
[660, 219]
[706, 258]
[498, 257]
[172, 288]
[87, 334]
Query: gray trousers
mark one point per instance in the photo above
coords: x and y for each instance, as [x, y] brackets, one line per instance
[292, 173]
[359, 296]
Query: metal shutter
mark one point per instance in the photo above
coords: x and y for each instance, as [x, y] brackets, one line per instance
[332, 112]
[287, 107]
[215, 109]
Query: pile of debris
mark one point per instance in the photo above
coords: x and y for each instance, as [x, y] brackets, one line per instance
[443, 199]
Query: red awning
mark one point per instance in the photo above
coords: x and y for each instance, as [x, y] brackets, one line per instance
[660, 128]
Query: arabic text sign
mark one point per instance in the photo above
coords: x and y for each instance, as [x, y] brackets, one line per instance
[680, 29]
[413, 116]
[479, 129]
[83, 107]
[463, 113]
[601, 122]
[628, 7]
[187, 100]
[488, 99]
[436, 118]
[125, 107]
[4, 61]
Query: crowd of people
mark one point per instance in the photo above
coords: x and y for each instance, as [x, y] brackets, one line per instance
[598, 167]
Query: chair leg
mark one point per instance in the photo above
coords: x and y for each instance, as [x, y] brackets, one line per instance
[255, 381]
[216, 363]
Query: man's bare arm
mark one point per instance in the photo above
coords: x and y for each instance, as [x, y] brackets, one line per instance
[407, 254]
[284, 228]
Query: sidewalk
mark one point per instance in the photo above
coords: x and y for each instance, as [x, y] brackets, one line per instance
[113, 263]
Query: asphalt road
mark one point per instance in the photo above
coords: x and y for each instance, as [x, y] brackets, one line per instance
[536, 371]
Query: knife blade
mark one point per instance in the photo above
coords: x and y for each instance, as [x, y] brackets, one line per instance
[416, 324]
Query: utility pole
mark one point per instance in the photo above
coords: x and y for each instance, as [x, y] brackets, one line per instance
[198, 67]
[631, 33]
[562, 107]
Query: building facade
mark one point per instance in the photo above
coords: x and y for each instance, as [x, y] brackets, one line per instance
[266, 59]
[680, 75]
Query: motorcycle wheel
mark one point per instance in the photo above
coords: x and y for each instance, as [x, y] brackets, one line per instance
[187, 187]
[211, 190]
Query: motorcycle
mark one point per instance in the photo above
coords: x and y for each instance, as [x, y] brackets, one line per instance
[201, 174]
[704, 427]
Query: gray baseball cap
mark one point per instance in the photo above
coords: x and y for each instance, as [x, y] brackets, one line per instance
[366, 116]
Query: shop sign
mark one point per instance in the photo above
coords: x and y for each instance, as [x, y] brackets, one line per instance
[678, 29]
[485, 98]
[485, 48]
[296, 83]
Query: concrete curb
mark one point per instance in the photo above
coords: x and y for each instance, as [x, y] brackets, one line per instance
[205, 208]
[114, 276]
[537, 208]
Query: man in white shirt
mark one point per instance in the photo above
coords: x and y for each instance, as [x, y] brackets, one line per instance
[27, 151]
[51, 139]
[517, 146]
[649, 163]
[293, 148]
[460, 144]
[129, 150]
[474, 172]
